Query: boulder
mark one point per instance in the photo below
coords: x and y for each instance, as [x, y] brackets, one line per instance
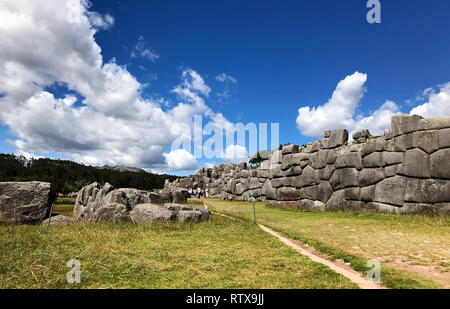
[115, 213]
[58, 220]
[179, 196]
[184, 217]
[189, 216]
[25, 202]
[151, 213]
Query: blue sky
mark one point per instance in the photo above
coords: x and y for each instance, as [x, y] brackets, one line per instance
[282, 56]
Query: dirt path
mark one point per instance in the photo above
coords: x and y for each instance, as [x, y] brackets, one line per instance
[350, 274]
[347, 272]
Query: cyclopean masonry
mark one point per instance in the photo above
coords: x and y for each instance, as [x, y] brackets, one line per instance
[405, 171]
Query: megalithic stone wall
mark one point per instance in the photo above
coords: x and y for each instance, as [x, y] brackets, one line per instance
[405, 171]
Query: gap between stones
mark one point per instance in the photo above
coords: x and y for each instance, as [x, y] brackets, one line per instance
[352, 275]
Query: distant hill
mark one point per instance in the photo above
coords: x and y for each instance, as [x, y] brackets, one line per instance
[68, 176]
[121, 168]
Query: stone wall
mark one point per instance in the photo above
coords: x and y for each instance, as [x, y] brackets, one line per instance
[405, 171]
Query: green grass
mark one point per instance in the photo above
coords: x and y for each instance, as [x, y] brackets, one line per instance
[65, 200]
[221, 253]
[64, 206]
[356, 237]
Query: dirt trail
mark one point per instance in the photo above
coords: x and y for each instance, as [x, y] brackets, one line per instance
[352, 275]
[347, 272]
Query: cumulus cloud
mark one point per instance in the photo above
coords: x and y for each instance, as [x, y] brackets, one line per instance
[338, 112]
[142, 50]
[107, 121]
[438, 104]
[235, 154]
[180, 160]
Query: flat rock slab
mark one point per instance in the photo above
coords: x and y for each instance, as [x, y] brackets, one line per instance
[58, 220]
[25, 202]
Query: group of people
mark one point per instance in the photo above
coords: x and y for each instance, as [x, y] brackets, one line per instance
[198, 193]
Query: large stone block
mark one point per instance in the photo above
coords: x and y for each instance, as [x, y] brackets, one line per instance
[370, 176]
[310, 193]
[350, 159]
[25, 202]
[417, 164]
[337, 138]
[344, 178]
[373, 160]
[427, 191]
[240, 188]
[391, 191]
[428, 141]
[278, 182]
[275, 158]
[336, 201]
[268, 191]
[287, 194]
[440, 164]
[326, 172]
[308, 178]
[367, 194]
[402, 124]
[254, 183]
[434, 123]
[291, 148]
[391, 158]
[444, 138]
[324, 191]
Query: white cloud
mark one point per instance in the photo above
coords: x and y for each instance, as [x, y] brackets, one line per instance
[104, 22]
[180, 160]
[226, 78]
[141, 50]
[235, 154]
[438, 104]
[340, 111]
[39, 48]
[337, 112]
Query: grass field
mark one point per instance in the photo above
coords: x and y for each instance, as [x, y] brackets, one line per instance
[64, 206]
[224, 253]
[418, 244]
[217, 254]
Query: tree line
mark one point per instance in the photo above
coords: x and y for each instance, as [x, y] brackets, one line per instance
[68, 176]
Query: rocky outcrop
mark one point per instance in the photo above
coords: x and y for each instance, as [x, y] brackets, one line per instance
[405, 171]
[25, 202]
[96, 203]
